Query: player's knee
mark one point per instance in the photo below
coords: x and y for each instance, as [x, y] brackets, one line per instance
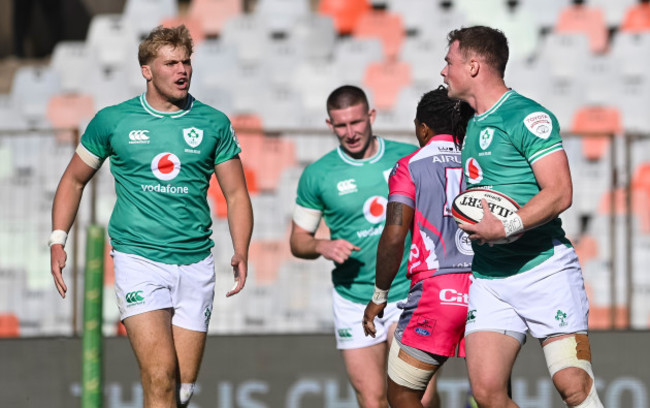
[569, 363]
[407, 374]
[184, 393]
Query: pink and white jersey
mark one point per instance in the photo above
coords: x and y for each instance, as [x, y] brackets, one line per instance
[428, 180]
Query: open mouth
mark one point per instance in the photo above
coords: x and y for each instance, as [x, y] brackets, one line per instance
[182, 83]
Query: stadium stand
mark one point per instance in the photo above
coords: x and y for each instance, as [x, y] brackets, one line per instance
[9, 325]
[270, 68]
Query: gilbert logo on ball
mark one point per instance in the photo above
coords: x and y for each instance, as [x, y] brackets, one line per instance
[467, 207]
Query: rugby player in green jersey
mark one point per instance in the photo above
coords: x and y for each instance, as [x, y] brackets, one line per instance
[163, 148]
[533, 284]
[348, 188]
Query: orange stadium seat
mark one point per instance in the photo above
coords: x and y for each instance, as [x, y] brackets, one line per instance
[637, 18]
[587, 248]
[194, 25]
[219, 207]
[267, 256]
[345, 13]
[384, 25]
[386, 80]
[213, 14]
[69, 111]
[9, 325]
[585, 19]
[596, 123]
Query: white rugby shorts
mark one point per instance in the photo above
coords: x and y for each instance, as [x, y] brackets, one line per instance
[348, 316]
[143, 285]
[550, 299]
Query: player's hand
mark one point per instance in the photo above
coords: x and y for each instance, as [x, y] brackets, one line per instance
[240, 271]
[338, 250]
[57, 263]
[372, 310]
[489, 229]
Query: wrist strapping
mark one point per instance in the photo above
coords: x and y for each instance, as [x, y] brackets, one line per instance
[513, 225]
[380, 296]
[57, 237]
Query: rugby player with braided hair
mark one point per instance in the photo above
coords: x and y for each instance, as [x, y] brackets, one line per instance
[422, 188]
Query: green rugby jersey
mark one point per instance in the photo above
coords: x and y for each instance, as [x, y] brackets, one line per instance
[499, 149]
[162, 163]
[352, 196]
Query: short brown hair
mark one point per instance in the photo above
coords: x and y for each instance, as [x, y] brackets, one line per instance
[346, 96]
[161, 36]
[487, 42]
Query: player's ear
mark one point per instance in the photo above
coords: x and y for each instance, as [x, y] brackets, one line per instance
[146, 72]
[373, 114]
[474, 67]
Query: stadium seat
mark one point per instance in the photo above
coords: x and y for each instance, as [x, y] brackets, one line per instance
[384, 25]
[587, 248]
[423, 54]
[144, 15]
[280, 59]
[218, 200]
[249, 34]
[546, 12]
[111, 86]
[193, 25]
[70, 59]
[213, 14]
[31, 89]
[639, 203]
[631, 51]
[314, 82]
[111, 41]
[435, 25]
[345, 13]
[214, 64]
[599, 72]
[9, 325]
[596, 123]
[386, 80]
[282, 15]
[352, 56]
[68, 111]
[614, 11]
[637, 19]
[521, 27]
[266, 257]
[580, 18]
[316, 35]
[281, 107]
[416, 14]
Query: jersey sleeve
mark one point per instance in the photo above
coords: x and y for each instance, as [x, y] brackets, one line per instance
[228, 146]
[308, 194]
[401, 187]
[96, 138]
[540, 135]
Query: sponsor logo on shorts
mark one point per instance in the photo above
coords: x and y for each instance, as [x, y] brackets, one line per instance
[423, 326]
[134, 298]
[207, 314]
[422, 332]
[344, 334]
[453, 297]
[347, 186]
[471, 316]
[560, 316]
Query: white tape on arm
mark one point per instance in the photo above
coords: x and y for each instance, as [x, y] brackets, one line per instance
[57, 237]
[513, 225]
[380, 296]
[88, 158]
[307, 218]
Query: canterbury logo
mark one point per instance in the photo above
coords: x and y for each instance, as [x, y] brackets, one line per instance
[133, 297]
[138, 135]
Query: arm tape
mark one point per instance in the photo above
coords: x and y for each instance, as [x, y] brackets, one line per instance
[380, 296]
[57, 237]
[513, 225]
[87, 157]
[306, 218]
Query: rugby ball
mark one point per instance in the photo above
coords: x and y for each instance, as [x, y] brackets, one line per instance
[467, 208]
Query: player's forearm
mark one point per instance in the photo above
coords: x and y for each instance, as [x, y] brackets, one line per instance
[66, 204]
[304, 245]
[240, 222]
[389, 259]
